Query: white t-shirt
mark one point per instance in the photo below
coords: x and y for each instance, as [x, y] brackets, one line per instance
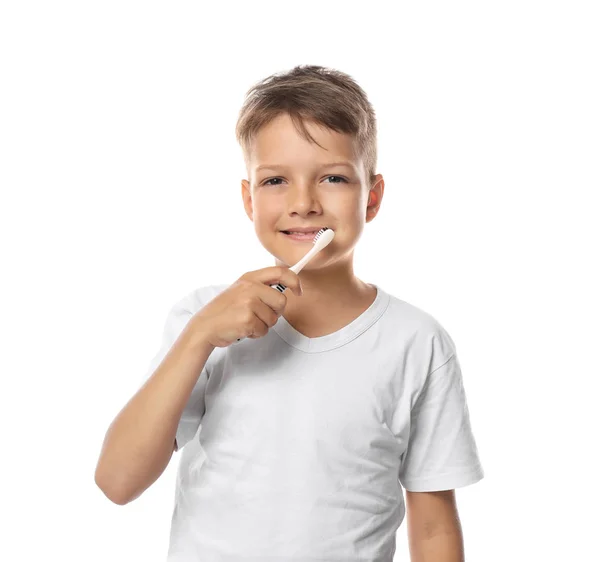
[297, 448]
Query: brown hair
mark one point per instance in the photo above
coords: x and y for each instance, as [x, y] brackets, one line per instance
[328, 97]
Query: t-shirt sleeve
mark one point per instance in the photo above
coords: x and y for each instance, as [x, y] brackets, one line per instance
[441, 453]
[177, 318]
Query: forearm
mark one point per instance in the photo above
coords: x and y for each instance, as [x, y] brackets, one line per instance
[140, 441]
[446, 546]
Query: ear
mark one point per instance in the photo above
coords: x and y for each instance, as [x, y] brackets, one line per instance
[375, 197]
[247, 199]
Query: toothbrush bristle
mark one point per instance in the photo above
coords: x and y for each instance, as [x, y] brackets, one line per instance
[318, 234]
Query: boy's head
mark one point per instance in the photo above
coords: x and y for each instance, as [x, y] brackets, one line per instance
[292, 128]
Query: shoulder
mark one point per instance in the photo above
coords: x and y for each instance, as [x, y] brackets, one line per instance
[425, 342]
[421, 328]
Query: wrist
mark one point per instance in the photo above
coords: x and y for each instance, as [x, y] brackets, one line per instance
[199, 337]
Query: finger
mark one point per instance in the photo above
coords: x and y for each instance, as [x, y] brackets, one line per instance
[268, 309]
[278, 274]
[259, 328]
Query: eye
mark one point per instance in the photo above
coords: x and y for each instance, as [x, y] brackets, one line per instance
[272, 179]
[267, 182]
[338, 177]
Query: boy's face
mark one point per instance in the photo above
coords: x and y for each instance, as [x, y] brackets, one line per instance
[292, 183]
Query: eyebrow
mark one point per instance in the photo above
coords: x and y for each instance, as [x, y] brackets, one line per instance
[281, 167]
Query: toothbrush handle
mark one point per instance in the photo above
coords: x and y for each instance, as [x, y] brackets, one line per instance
[280, 287]
[297, 268]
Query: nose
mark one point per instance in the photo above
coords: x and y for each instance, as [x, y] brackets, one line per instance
[303, 200]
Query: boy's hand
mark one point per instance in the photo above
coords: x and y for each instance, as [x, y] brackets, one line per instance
[248, 308]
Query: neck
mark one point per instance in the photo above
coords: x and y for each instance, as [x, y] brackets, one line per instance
[327, 304]
[330, 298]
[333, 285]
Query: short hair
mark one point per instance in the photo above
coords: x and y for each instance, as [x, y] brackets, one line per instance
[323, 95]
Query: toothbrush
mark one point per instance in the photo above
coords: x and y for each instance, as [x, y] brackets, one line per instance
[320, 241]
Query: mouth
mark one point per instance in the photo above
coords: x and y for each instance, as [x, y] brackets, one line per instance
[301, 236]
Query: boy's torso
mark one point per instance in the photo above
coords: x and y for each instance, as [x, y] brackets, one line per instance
[297, 434]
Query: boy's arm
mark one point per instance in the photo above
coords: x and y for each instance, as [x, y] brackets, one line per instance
[140, 441]
[434, 529]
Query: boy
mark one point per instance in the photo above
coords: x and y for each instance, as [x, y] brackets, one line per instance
[297, 440]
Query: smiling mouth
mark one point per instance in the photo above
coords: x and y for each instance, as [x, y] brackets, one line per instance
[300, 236]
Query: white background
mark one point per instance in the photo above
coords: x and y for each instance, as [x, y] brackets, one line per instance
[120, 179]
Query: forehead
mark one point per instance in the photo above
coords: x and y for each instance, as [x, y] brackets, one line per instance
[279, 143]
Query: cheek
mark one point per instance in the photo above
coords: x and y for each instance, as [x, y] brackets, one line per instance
[265, 217]
[350, 214]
